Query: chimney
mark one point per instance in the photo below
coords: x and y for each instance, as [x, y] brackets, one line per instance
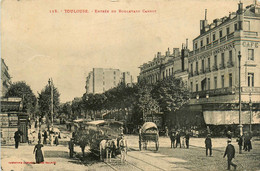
[186, 43]
[167, 53]
[240, 8]
[158, 54]
[203, 23]
[175, 52]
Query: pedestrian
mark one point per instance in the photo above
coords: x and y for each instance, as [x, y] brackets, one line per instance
[240, 143]
[38, 155]
[187, 139]
[45, 136]
[56, 139]
[17, 137]
[247, 143]
[39, 136]
[35, 125]
[51, 139]
[208, 145]
[123, 148]
[71, 147]
[178, 139]
[229, 136]
[183, 141]
[230, 153]
[172, 137]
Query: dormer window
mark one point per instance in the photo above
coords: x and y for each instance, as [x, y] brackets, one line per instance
[196, 45]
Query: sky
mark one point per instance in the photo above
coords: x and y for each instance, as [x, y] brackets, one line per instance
[38, 44]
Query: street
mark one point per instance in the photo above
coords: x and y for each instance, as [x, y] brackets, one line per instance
[194, 158]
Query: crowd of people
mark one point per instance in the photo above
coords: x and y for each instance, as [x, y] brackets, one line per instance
[179, 138]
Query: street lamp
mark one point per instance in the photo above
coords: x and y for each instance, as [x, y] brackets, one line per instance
[207, 97]
[250, 106]
[239, 80]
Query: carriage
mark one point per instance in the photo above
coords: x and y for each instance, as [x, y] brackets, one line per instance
[148, 132]
[96, 131]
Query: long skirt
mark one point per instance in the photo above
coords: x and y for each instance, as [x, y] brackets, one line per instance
[39, 156]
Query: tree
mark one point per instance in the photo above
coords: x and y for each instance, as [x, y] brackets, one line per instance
[171, 94]
[145, 102]
[44, 101]
[24, 91]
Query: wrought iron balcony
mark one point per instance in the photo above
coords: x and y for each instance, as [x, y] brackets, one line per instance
[215, 92]
[230, 36]
[202, 71]
[215, 42]
[196, 73]
[222, 66]
[215, 68]
[208, 69]
[230, 64]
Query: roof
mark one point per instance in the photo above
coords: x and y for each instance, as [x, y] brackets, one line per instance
[148, 125]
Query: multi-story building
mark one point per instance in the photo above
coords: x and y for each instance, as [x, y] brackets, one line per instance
[5, 78]
[214, 67]
[163, 66]
[100, 80]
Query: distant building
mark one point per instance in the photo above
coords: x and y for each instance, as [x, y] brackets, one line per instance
[100, 80]
[164, 66]
[214, 71]
[5, 78]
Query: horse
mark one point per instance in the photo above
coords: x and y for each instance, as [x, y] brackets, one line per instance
[107, 146]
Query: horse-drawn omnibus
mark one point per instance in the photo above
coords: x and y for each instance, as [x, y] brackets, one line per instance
[97, 131]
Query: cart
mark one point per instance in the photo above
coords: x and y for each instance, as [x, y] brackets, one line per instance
[148, 132]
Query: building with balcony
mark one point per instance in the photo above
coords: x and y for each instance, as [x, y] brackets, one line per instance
[100, 80]
[5, 78]
[164, 66]
[214, 68]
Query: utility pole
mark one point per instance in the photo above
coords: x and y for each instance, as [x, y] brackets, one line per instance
[51, 87]
[239, 79]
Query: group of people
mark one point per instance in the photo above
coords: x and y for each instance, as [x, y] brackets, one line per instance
[178, 138]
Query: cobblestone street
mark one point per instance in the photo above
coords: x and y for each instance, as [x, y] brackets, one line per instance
[194, 158]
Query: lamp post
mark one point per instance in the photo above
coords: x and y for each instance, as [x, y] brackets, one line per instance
[51, 86]
[207, 97]
[250, 106]
[239, 82]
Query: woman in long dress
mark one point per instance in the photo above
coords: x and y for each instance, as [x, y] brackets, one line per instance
[38, 155]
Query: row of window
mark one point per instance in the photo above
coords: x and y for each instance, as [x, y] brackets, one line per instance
[221, 34]
[222, 64]
[205, 84]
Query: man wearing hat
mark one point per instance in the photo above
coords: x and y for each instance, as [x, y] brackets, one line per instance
[123, 148]
[71, 147]
[208, 145]
[230, 153]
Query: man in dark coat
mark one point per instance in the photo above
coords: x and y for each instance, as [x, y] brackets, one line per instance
[208, 145]
[240, 143]
[71, 147]
[178, 139]
[17, 137]
[230, 153]
[45, 136]
[187, 139]
[172, 137]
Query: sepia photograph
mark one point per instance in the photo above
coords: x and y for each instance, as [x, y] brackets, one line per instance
[149, 85]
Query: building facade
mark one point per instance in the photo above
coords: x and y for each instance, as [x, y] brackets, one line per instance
[164, 66]
[211, 70]
[5, 78]
[214, 67]
[100, 80]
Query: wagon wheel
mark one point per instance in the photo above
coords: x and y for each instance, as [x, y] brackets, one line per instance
[157, 145]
